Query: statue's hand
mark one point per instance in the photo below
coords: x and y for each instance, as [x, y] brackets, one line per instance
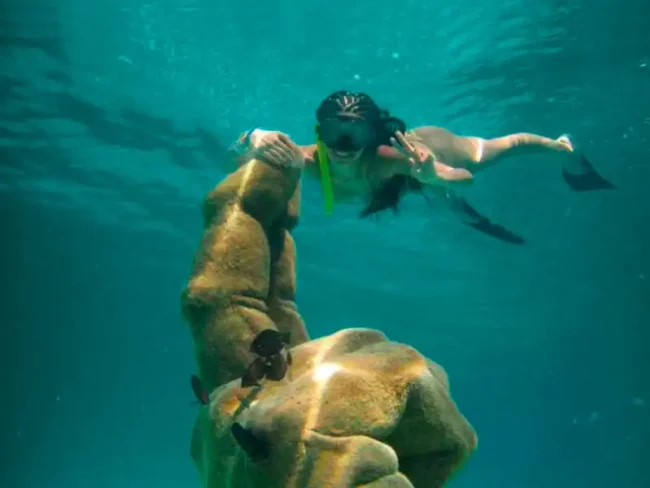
[354, 410]
[276, 148]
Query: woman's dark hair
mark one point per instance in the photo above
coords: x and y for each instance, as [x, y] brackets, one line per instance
[343, 101]
[389, 194]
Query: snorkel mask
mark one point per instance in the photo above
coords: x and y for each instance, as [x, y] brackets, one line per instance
[340, 135]
[346, 123]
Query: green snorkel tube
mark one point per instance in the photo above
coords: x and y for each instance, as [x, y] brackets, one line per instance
[325, 176]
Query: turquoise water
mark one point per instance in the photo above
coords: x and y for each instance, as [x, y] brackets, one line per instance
[113, 114]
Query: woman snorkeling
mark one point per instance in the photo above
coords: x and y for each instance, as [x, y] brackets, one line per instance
[364, 153]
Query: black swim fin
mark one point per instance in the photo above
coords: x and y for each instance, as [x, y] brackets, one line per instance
[498, 232]
[585, 177]
[485, 225]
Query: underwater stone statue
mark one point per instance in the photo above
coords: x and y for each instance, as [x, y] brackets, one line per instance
[352, 409]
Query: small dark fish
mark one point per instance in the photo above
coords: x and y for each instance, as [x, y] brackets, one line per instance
[254, 447]
[276, 367]
[255, 372]
[199, 392]
[269, 342]
[271, 363]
